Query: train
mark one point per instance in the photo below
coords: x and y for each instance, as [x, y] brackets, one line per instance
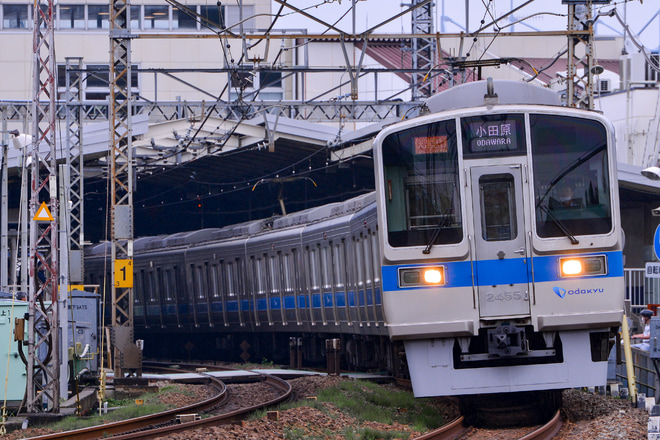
[488, 260]
[247, 292]
[500, 241]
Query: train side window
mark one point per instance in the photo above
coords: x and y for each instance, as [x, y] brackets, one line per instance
[373, 240]
[339, 263]
[168, 284]
[231, 286]
[287, 271]
[139, 287]
[326, 261]
[368, 258]
[259, 266]
[180, 287]
[151, 286]
[201, 275]
[313, 267]
[275, 273]
[214, 281]
[359, 263]
[194, 279]
[239, 276]
[498, 207]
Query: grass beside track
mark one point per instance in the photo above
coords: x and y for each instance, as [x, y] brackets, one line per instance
[368, 402]
[120, 410]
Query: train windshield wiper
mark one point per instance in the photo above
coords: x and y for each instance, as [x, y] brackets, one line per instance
[559, 224]
[436, 232]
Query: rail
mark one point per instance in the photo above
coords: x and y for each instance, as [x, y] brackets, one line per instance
[138, 428]
[455, 428]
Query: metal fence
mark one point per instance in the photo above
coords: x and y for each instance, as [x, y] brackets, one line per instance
[641, 290]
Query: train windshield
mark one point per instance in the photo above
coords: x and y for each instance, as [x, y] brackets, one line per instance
[571, 177]
[421, 186]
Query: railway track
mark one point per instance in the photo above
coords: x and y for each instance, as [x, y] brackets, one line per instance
[164, 423]
[456, 430]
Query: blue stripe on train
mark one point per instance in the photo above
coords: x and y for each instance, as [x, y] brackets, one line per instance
[490, 272]
[289, 302]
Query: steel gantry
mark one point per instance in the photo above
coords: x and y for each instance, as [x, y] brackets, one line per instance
[128, 358]
[43, 387]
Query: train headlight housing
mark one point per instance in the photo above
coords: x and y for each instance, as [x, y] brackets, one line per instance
[582, 266]
[422, 276]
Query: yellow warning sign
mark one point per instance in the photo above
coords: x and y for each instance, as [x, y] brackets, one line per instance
[43, 214]
[124, 273]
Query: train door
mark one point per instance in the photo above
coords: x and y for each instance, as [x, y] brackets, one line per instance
[501, 264]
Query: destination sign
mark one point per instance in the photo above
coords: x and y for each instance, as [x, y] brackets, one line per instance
[431, 144]
[493, 136]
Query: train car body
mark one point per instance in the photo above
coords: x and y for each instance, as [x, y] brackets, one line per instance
[501, 244]
[311, 275]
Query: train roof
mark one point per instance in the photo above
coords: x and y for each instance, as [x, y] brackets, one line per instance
[506, 92]
[249, 228]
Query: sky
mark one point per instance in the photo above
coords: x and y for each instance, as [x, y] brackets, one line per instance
[642, 17]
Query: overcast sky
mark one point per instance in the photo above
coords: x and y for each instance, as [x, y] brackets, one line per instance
[544, 15]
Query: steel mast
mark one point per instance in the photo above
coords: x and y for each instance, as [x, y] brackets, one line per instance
[43, 386]
[580, 33]
[127, 358]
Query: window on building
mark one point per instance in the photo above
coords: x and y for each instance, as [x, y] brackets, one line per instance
[182, 19]
[156, 17]
[72, 16]
[97, 17]
[264, 85]
[15, 16]
[233, 17]
[96, 81]
[211, 16]
[135, 17]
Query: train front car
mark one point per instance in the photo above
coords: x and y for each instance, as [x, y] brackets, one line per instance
[501, 245]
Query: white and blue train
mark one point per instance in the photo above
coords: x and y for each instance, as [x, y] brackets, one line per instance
[500, 241]
[311, 275]
[491, 250]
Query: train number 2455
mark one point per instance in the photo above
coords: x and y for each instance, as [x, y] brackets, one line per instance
[507, 296]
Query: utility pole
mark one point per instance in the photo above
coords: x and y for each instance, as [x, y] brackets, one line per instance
[128, 358]
[43, 369]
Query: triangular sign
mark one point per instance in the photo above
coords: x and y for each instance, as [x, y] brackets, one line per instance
[43, 214]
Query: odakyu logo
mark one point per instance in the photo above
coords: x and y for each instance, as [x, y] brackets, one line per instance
[563, 292]
[559, 291]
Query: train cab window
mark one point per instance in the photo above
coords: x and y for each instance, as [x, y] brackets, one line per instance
[498, 207]
[571, 176]
[421, 178]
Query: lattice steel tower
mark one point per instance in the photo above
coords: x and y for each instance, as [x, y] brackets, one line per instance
[127, 357]
[43, 385]
[580, 67]
[423, 50]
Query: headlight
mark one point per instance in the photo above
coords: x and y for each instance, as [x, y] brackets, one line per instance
[582, 266]
[422, 276]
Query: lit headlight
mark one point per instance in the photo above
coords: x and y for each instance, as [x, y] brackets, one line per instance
[582, 266]
[422, 276]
